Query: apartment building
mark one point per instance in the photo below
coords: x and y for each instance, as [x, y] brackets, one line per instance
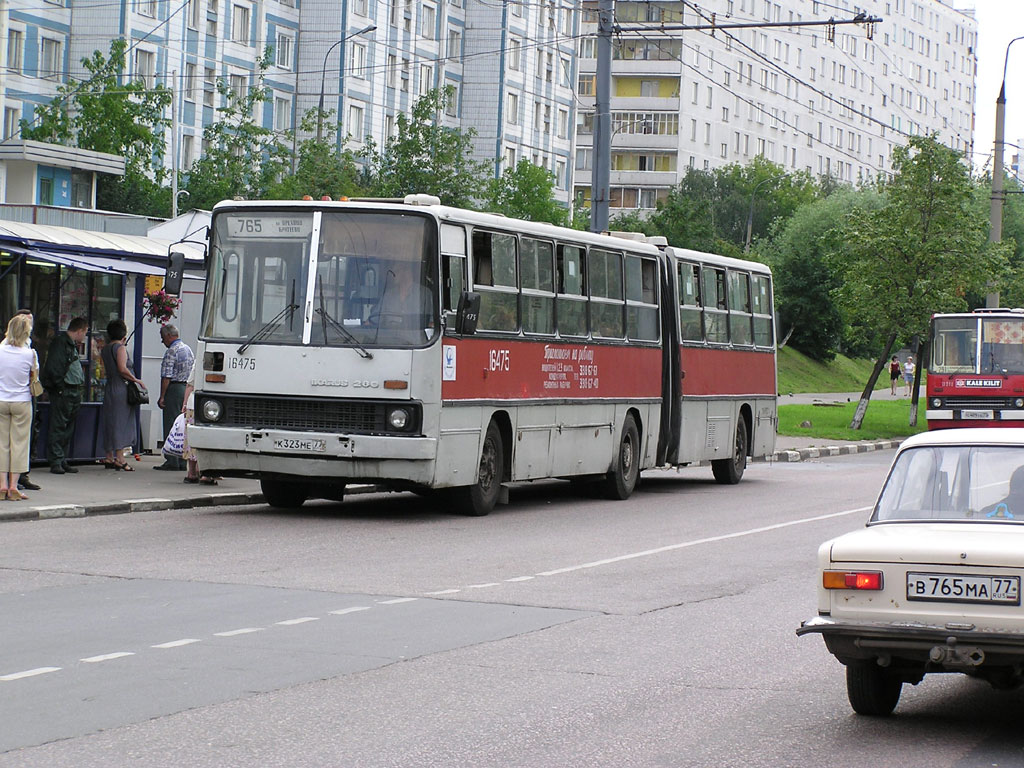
[509, 66]
[828, 100]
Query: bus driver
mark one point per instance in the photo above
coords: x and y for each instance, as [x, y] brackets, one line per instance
[405, 303]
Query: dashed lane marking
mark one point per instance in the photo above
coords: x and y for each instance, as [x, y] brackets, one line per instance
[177, 643]
[292, 622]
[233, 632]
[28, 673]
[106, 657]
[398, 600]
[354, 609]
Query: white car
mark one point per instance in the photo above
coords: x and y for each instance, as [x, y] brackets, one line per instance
[933, 583]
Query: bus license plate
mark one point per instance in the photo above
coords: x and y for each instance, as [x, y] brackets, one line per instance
[988, 415]
[948, 587]
[291, 444]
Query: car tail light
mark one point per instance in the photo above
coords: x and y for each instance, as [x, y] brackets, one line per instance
[852, 580]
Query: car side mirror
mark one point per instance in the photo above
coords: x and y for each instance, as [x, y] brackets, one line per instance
[468, 313]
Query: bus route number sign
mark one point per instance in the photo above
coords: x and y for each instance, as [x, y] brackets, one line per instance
[268, 227]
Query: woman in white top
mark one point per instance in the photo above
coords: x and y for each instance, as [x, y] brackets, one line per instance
[17, 359]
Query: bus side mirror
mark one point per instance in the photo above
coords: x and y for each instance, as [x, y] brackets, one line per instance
[468, 313]
[175, 273]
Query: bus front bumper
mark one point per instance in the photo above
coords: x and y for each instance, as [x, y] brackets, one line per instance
[350, 457]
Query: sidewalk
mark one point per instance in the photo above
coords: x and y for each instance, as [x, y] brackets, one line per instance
[96, 490]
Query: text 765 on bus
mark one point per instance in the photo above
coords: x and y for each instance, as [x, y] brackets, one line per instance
[416, 346]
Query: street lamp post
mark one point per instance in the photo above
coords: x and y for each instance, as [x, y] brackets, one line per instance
[995, 230]
[323, 78]
[750, 214]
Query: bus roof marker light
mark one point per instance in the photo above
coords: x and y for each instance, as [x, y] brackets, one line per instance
[421, 199]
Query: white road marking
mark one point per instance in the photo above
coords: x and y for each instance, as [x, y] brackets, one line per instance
[398, 600]
[698, 542]
[234, 632]
[443, 592]
[28, 673]
[521, 578]
[343, 611]
[484, 586]
[177, 643]
[290, 622]
[107, 657]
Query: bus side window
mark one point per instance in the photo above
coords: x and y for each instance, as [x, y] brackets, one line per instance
[536, 270]
[642, 298]
[572, 297]
[761, 292]
[606, 299]
[689, 303]
[716, 325]
[494, 277]
[739, 308]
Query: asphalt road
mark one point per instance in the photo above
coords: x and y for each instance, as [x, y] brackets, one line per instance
[559, 631]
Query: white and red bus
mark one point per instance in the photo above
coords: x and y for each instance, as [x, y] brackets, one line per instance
[417, 346]
[976, 369]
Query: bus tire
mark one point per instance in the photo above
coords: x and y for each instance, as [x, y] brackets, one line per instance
[621, 480]
[729, 471]
[283, 494]
[480, 498]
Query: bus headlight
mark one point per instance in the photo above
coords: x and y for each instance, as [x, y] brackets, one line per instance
[1019, 402]
[936, 402]
[398, 418]
[212, 410]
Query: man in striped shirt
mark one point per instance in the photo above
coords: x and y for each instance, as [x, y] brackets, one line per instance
[174, 371]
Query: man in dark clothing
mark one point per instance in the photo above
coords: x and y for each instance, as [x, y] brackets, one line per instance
[63, 378]
[174, 371]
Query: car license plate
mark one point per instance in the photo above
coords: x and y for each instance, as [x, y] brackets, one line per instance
[291, 444]
[989, 415]
[952, 588]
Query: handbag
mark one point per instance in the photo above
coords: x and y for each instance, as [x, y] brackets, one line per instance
[34, 386]
[137, 393]
[174, 443]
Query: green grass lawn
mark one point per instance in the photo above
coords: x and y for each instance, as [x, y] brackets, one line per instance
[884, 420]
[799, 373]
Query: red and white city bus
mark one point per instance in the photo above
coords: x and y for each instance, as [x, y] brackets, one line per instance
[976, 369]
[417, 346]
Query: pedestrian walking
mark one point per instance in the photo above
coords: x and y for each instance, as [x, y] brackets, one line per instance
[174, 371]
[17, 362]
[895, 373]
[63, 378]
[117, 416]
[908, 374]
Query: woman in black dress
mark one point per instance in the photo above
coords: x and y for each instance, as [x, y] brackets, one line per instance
[117, 416]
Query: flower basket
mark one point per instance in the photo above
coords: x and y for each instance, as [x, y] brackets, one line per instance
[160, 306]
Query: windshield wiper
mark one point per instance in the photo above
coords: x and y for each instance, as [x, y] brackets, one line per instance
[269, 327]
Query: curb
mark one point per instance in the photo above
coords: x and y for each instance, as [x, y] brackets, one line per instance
[803, 454]
[126, 506]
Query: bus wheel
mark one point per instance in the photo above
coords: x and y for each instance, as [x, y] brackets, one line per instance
[283, 494]
[729, 471]
[622, 477]
[479, 499]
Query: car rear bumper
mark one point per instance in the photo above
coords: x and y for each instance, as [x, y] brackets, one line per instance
[954, 648]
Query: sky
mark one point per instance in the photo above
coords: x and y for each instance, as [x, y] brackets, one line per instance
[999, 21]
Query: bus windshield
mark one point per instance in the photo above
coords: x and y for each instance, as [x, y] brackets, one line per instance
[954, 345]
[374, 281]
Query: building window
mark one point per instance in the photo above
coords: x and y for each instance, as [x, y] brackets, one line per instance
[240, 20]
[147, 8]
[359, 7]
[284, 54]
[282, 114]
[145, 67]
[586, 85]
[51, 59]
[209, 86]
[12, 118]
[405, 75]
[512, 109]
[15, 49]
[194, 17]
[515, 50]
[355, 122]
[188, 151]
[428, 22]
[357, 61]
[451, 102]
[392, 70]
[189, 86]
[426, 78]
[236, 84]
[560, 174]
[455, 44]
[81, 189]
[563, 123]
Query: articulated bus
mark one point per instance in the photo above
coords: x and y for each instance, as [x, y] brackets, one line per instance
[976, 369]
[415, 346]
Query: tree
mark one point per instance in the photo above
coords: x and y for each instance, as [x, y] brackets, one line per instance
[104, 114]
[320, 169]
[805, 259]
[686, 218]
[242, 158]
[527, 192]
[425, 156]
[921, 252]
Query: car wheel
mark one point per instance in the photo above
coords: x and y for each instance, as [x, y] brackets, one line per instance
[729, 471]
[284, 494]
[871, 689]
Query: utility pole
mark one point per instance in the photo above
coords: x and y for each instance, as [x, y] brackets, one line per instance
[995, 220]
[175, 162]
[601, 178]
